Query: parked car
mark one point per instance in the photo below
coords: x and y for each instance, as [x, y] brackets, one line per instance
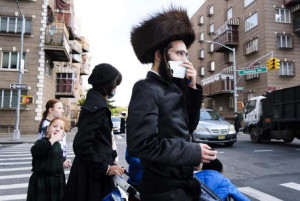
[212, 128]
[116, 124]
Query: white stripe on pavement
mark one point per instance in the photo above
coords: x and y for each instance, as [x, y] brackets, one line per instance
[292, 185]
[262, 150]
[23, 176]
[12, 159]
[15, 169]
[258, 194]
[16, 163]
[13, 197]
[13, 186]
[12, 155]
[18, 155]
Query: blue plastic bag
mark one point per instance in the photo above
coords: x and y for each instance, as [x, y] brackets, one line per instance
[115, 195]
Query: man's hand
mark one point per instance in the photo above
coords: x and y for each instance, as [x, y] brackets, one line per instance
[115, 170]
[207, 154]
[190, 74]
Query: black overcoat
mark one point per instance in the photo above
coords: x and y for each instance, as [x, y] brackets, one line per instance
[159, 125]
[93, 152]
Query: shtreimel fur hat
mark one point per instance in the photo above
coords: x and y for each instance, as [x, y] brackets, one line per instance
[159, 30]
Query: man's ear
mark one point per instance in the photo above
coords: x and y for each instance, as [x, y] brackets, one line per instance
[157, 56]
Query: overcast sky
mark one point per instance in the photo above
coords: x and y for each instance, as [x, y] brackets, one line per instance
[107, 26]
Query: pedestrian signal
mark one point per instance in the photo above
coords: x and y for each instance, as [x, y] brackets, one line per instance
[26, 100]
[273, 63]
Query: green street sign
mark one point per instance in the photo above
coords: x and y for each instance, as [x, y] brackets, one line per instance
[240, 88]
[252, 71]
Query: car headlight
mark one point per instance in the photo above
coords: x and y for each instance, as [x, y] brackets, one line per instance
[231, 129]
[202, 130]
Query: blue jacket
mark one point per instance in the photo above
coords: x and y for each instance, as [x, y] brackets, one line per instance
[221, 185]
[135, 169]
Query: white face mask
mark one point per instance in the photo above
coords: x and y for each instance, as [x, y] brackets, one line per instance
[113, 93]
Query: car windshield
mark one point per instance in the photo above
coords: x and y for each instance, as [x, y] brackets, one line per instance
[209, 115]
[114, 119]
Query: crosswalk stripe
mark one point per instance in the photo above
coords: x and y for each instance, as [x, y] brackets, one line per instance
[16, 163]
[266, 150]
[15, 169]
[12, 155]
[13, 186]
[23, 176]
[258, 194]
[13, 197]
[292, 185]
[69, 155]
[12, 159]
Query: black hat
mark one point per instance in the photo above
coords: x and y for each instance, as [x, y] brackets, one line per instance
[213, 165]
[102, 73]
[159, 30]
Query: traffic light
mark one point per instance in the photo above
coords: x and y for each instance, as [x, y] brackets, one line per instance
[277, 64]
[273, 63]
[26, 100]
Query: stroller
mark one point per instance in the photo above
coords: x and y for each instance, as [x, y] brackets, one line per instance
[206, 193]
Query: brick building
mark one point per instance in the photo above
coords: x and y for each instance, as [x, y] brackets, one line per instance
[55, 59]
[255, 28]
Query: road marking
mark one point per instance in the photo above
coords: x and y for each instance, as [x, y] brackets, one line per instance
[119, 137]
[262, 150]
[12, 159]
[15, 169]
[13, 186]
[16, 163]
[258, 194]
[12, 155]
[23, 176]
[292, 185]
[13, 197]
[297, 149]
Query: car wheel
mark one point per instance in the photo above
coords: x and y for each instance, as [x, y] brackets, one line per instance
[229, 144]
[288, 140]
[255, 137]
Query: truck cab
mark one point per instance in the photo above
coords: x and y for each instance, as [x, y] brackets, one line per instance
[252, 116]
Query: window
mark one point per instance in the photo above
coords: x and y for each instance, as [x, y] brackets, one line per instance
[229, 14]
[251, 46]
[251, 22]
[201, 20]
[284, 41]
[201, 39]
[251, 105]
[14, 25]
[49, 68]
[247, 2]
[10, 60]
[212, 66]
[286, 69]
[252, 76]
[201, 54]
[283, 15]
[202, 71]
[64, 82]
[211, 10]
[8, 98]
[211, 29]
[211, 48]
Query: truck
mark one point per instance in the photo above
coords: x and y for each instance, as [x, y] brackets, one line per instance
[274, 115]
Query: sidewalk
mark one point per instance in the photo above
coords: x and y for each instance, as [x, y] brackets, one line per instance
[31, 138]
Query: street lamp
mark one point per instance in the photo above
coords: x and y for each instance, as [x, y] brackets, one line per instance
[235, 95]
[16, 134]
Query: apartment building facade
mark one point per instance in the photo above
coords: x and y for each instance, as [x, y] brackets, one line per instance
[55, 58]
[257, 29]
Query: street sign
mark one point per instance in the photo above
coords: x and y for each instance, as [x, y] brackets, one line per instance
[252, 71]
[18, 86]
[240, 88]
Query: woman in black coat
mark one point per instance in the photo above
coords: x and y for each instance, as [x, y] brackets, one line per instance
[93, 167]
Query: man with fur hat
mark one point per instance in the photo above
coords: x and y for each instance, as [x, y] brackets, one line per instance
[164, 110]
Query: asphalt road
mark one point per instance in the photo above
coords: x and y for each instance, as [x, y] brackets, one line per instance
[267, 172]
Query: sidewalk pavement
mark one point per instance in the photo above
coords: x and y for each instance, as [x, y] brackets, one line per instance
[31, 138]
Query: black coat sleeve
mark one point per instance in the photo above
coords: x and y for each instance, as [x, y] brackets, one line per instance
[142, 138]
[40, 148]
[193, 106]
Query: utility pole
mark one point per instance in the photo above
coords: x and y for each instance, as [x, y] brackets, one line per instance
[16, 134]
